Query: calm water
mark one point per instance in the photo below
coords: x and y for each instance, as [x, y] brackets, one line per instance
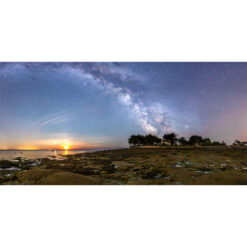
[8, 155]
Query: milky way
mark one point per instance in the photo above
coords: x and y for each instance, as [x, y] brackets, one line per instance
[43, 105]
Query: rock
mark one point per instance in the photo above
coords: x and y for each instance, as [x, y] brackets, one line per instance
[38, 175]
[33, 175]
[19, 158]
[68, 178]
[7, 164]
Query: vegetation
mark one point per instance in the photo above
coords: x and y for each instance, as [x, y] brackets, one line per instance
[172, 139]
[183, 165]
[195, 140]
[213, 164]
[182, 141]
[144, 140]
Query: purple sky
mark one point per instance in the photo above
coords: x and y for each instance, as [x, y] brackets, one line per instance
[44, 105]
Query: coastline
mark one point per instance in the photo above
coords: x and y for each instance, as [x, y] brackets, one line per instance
[132, 166]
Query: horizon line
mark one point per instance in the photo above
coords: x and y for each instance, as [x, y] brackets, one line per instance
[76, 149]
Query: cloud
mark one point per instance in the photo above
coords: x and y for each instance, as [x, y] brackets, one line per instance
[53, 119]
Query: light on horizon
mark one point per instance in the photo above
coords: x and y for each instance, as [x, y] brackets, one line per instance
[66, 146]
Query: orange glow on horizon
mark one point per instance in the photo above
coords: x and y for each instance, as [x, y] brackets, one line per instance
[66, 146]
[52, 144]
[27, 148]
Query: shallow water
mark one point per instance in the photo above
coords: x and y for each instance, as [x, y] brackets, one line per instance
[12, 154]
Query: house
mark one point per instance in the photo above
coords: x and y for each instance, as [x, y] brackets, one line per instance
[164, 142]
[238, 143]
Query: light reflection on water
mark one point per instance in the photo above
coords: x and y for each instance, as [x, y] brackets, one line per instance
[35, 154]
[8, 155]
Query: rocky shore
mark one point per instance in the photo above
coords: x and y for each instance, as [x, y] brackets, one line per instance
[150, 166]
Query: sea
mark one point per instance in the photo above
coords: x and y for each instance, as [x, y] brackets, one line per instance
[35, 154]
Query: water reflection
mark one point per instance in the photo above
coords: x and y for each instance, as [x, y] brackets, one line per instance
[12, 154]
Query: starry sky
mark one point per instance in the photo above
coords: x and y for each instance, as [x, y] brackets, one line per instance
[88, 105]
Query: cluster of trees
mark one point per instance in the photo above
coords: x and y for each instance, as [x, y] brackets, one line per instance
[199, 140]
[172, 139]
[144, 140]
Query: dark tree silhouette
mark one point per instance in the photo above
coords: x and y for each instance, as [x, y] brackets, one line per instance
[144, 140]
[182, 141]
[216, 144]
[133, 140]
[140, 140]
[206, 142]
[195, 139]
[152, 140]
[171, 137]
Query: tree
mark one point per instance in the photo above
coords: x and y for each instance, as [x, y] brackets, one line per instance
[133, 140]
[140, 139]
[136, 140]
[195, 140]
[216, 143]
[206, 142]
[182, 141]
[144, 140]
[171, 137]
[152, 140]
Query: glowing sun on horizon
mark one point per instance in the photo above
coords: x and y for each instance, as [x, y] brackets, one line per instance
[66, 146]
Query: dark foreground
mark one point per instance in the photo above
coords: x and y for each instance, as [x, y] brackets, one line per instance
[171, 166]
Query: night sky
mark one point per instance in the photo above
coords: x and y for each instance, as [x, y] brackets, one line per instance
[48, 105]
